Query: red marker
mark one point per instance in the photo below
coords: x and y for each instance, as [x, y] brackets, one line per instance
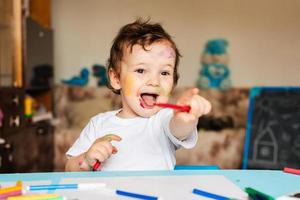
[291, 170]
[96, 165]
[183, 108]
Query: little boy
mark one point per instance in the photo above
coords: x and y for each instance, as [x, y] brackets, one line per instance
[142, 68]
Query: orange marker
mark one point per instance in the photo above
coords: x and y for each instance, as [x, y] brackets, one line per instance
[15, 188]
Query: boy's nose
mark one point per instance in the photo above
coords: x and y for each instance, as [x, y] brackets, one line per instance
[153, 80]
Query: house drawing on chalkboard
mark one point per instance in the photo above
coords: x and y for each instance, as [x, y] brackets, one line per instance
[266, 146]
[273, 128]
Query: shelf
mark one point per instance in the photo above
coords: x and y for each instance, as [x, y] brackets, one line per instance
[37, 89]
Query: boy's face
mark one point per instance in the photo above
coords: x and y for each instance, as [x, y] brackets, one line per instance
[146, 77]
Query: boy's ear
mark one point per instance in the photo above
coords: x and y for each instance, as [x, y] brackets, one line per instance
[114, 79]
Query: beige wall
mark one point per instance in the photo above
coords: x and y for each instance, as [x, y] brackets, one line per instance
[263, 35]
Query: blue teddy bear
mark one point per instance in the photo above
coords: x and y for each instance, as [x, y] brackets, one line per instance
[214, 72]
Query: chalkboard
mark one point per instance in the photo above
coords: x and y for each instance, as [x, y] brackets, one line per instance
[273, 128]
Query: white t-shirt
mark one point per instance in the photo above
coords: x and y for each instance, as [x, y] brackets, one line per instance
[147, 143]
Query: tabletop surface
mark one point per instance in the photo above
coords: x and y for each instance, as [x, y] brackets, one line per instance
[272, 182]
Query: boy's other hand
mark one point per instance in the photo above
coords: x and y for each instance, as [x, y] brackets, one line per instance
[101, 149]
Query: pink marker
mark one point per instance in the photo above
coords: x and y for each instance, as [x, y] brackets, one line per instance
[10, 194]
[183, 108]
[96, 165]
[291, 170]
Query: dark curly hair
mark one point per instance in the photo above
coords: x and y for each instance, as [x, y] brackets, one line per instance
[140, 32]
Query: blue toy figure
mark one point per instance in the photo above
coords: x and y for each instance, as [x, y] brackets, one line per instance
[80, 80]
[99, 71]
[214, 72]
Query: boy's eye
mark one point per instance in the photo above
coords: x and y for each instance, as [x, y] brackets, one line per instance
[165, 73]
[140, 71]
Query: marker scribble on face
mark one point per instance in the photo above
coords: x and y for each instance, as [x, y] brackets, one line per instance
[164, 91]
[167, 53]
[129, 81]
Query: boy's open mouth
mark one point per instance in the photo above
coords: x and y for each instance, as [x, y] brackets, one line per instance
[148, 100]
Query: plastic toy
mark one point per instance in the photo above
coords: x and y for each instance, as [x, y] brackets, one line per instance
[28, 107]
[80, 80]
[99, 71]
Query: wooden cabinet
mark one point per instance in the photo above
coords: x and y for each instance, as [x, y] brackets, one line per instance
[26, 68]
[32, 148]
[25, 147]
[12, 108]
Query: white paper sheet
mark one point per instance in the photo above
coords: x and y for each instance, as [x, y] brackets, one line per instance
[164, 187]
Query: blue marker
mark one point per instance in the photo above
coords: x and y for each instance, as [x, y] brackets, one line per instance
[135, 195]
[83, 186]
[209, 195]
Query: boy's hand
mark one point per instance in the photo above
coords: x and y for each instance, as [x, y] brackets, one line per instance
[100, 150]
[199, 105]
[183, 123]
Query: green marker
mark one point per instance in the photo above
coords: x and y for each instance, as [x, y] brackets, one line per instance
[256, 195]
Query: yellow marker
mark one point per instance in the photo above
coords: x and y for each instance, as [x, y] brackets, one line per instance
[12, 189]
[28, 106]
[36, 197]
